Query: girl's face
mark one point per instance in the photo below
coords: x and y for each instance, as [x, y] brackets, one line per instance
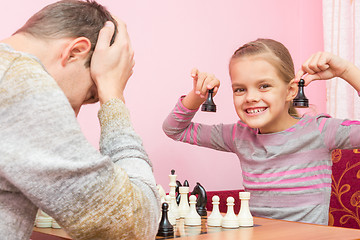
[261, 97]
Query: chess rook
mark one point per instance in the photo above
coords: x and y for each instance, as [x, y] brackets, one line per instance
[230, 220]
[244, 216]
[192, 218]
[215, 218]
[184, 201]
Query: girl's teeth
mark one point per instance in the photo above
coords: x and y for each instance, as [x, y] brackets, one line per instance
[252, 111]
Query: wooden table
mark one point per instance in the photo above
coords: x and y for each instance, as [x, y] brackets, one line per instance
[264, 229]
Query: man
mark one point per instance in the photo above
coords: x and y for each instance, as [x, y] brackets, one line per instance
[67, 55]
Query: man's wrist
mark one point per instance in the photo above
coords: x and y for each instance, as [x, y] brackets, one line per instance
[105, 96]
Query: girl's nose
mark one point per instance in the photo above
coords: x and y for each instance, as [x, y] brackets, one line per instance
[252, 96]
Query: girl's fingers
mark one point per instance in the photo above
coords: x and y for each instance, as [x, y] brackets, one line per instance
[194, 72]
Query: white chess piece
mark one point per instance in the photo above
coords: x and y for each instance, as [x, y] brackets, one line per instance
[161, 193]
[173, 205]
[215, 218]
[184, 202]
[230, 220]
[172, 183]
[192, 218]
[171, 213]
[54, 224]
[43, 220]
[245, 218]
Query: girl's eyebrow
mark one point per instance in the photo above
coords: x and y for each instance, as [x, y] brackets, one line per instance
[260, 81]
[237, 85]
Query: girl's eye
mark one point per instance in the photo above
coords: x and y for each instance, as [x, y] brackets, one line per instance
[239, 90]
[263, 86]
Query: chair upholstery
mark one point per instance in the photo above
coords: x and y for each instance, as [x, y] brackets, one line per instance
[223, 195]
[345, 190]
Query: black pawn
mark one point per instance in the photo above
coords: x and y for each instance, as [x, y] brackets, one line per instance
[209, 105]
[165, 227]
[300, 101]
[186, 183]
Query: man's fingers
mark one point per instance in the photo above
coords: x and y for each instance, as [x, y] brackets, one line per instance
[105, 35]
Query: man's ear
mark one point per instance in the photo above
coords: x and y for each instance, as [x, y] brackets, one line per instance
[77, 49]
[292, 90]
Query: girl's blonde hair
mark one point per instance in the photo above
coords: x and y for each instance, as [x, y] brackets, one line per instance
[276, 54]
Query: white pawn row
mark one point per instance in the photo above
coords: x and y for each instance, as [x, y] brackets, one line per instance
[230, 220]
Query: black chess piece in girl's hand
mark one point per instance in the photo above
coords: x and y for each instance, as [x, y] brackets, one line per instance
[300, 101]
[209, 105]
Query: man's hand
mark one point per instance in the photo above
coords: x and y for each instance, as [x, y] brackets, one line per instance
[111, 66]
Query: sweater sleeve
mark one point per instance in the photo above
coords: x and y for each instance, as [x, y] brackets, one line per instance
[46, 159]
[339, 133]
[179, 126]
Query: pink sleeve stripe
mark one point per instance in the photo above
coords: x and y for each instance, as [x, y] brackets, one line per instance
[301, 122]
[188, 135]
[310, 120]
[192, 130]
[290, 172]
[234, 132]
[322, 124]
[290, 130]
[181, 113]
[183, 108]
[293, 180]
[349, 122]
[301, 188]
[181, 117]
[182, 137]
[196, 127]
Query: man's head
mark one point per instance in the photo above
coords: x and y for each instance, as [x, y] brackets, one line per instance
[70, 30]
[69, 19]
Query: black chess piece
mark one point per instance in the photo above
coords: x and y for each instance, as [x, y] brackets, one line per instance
[177, 192]
[186, 183]
[209, 105]
[165, 227]
[201, 199]
[300, 101]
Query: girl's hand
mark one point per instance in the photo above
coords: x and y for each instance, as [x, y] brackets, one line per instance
[323, 66]
[203, 82]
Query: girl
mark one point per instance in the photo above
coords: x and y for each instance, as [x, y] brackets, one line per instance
[285, 159]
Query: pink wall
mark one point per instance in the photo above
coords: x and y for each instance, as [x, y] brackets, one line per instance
[170, 38]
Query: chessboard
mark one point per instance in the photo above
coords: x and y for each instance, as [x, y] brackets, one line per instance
[181, 230]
